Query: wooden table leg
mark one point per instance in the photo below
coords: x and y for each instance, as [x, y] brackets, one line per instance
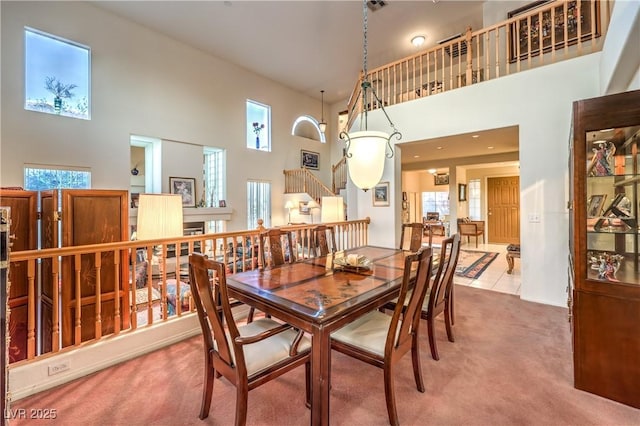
[320, 376]
[510, 263]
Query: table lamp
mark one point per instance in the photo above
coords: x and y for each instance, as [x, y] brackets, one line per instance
[289, 205]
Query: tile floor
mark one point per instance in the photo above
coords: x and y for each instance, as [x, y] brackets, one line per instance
[495, 277]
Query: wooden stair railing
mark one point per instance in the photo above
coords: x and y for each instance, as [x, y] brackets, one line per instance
[339, 175]
[302, 180]
[501, 49]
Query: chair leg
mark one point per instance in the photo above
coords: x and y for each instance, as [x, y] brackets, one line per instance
[417, 367]
[447, 321]
[242, 394]
[390, 396]
[307, 379]
[432, 339]
[250, 315]
[207, 391]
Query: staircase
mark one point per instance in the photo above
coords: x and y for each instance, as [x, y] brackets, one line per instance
[303, 181]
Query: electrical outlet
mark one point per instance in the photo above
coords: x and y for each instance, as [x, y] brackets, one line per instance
[58, 368]
[534, 217]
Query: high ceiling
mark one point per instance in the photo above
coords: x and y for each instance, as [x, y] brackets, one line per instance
[318, 45]
[306, 45]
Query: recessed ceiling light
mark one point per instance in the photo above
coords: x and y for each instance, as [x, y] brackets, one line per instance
[418, 40]
[439, 147]
[416, 156]
[489, 147]
[475, 136]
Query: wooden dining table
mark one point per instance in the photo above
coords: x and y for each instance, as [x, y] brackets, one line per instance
[319, 300]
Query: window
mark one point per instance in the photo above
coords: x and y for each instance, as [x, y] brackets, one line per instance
[474, 199]
[258, 203]
[214, 182]
[435, 202]
[258, 126]
[40, 178]
[56, 75]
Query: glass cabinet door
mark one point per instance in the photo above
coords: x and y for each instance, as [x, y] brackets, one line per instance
[612, 204]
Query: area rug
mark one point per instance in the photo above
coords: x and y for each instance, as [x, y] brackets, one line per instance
[471, 264]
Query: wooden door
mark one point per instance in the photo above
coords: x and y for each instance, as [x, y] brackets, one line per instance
[23, 227]
[503, 210]
[93, 217]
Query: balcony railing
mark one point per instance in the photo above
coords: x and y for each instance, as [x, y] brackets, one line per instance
[155, 289]
[548, 34]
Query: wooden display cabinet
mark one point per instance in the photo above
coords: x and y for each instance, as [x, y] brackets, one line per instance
[604, 246]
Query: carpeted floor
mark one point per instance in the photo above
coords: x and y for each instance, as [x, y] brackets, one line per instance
[511, 364]
[471, 264]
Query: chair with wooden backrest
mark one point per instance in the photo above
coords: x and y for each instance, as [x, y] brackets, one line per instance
[439, 297]
[321, 242]
[247, 356]
[471, 229]
[381, 340]
[414, 241]
[273, 252]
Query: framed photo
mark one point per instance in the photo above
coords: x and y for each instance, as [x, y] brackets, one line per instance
[441, 179]
[381, 194]
[186, 187]
[462, 192]
[222, 203]
[135, 199]
[303, 207]
[309, 159]
[594, 205]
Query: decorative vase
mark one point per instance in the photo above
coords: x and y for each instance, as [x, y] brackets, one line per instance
[57, 104]
[257, 142]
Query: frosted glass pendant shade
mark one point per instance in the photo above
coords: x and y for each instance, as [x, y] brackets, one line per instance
[366, 164]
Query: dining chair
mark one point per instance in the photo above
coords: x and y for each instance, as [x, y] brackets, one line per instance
[247, 356]
[273, 251]
[439, 297]
[381, 340]
[321, 241]
[413, 233]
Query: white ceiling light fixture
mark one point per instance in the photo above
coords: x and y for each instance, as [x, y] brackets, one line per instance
[322, 124]
[366, 149]
[418, 40]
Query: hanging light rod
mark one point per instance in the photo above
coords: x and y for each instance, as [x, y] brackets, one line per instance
[322, 124]
[366, 150]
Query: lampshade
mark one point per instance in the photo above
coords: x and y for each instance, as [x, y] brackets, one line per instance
[313, 204]
[366, 163]
[289, 205]
[159, 216]
[332, 210]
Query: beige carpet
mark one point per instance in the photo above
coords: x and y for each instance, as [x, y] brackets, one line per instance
[510, 365]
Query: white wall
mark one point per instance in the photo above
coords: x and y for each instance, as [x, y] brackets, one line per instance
[144, 83]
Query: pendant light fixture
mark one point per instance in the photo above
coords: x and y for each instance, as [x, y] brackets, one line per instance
[366, 150]
[322, 124]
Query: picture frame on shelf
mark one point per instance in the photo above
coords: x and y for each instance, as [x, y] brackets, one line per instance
[310, 159]
[380, 194]
[222, 203]
[135, 199]
[595, 204]
[441, 179]
[462, 192]
[185, 187]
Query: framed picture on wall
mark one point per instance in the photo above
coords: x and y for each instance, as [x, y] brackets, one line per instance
[441, 179]
[186, 187]
[309, 159]
[381, 194]
[462, 192]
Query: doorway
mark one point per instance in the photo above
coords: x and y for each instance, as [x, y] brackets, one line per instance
[503, 209]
